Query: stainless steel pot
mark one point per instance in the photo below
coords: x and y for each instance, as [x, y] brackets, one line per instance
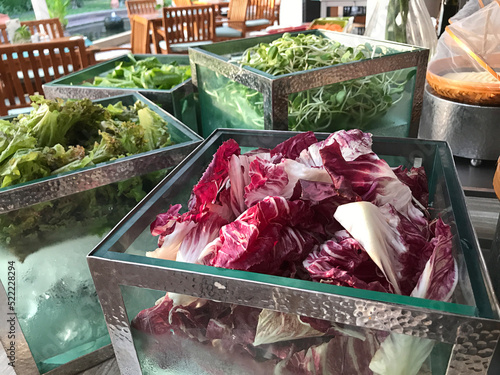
[472, 131]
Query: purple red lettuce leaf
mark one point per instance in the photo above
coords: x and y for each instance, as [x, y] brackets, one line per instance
[416, 180]
[264, 238]
[214, 178]
[292, 147]
[341, 355]
[345, 263]
[440, 275]
[356, 171]
[267, 179]
[183, 237]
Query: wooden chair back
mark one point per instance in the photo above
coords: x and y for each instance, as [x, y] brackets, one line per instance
[51, 26]
[140, 7]
[139, 38]
[237, 14]
[277, 7]
[261, 9]
[24, 68]
[183, 3]
[4, 38]
[188, 24]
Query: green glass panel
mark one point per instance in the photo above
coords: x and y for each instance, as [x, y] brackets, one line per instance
[227, 104]
[56, 302]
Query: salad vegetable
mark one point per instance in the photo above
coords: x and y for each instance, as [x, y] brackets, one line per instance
[57, 137]
[22, 35]
[349, 104]
[330, 212]
[144, 74]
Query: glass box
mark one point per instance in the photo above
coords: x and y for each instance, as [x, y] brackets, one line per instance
[387, 89]
[179, 101]
[460, 335]
[47, 228]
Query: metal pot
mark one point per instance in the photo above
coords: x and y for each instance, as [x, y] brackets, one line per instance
[472, 131]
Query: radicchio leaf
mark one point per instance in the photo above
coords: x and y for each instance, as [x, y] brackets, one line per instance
[214, 177]
[341, 355]
[276, 326]
[344, 263]
[206, 230]
[269, 178]
[365, 222]
[182, 320]
[440, 275]
[239, 177]
[292, 147]
[165, 222]
[234, 330]
[357, 171]
[416, 180]
[311, 156]
[401, 354]
[264, 237]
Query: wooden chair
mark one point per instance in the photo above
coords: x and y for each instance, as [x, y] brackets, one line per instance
[277, 6]
[237, 15]
[260, 14]
[140, 7]
[140, 38]
[4, 38]
[252, 15]
[24, 68]
[185, 27]
[51, 27]
[182, 3]
[232, 27]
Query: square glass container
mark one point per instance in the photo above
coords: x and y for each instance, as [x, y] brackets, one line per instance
[464, 331]
[179, 100]
[47, 228]
[388, 89]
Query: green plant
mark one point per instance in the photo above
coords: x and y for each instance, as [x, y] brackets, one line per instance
[22, 35]
[166, 3]
[59, 9]
[14, 6]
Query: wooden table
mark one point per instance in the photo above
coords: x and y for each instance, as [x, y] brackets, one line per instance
[143, 26]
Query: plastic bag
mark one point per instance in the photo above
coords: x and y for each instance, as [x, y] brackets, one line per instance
[405, 21]
[466, 67]
[471, 7]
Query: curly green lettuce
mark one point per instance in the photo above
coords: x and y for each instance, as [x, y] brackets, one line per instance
[58, 136]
